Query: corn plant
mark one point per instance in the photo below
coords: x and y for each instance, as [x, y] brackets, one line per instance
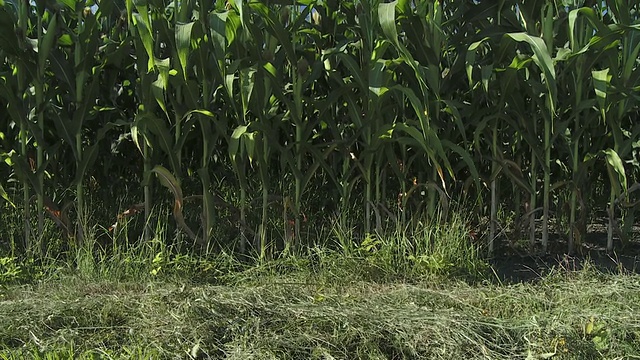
[355, 106]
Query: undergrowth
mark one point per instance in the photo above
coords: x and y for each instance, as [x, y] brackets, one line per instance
[426, 294]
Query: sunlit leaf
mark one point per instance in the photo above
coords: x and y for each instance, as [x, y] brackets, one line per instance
[183, 42]
[5, 196]
[601, 81]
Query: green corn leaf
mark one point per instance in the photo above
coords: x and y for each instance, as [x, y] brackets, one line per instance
[66, 128]
[183, 43]
[238, 5]
[206, 117]
[190, 113]
[590, 14]
[428, 139]
[387, 18]
[247, 82]
[139, 130]
[71, 4]
[630, 63]
[614, 163]
[601, 81]
[232, 27]
[229, 79]
[89, 156]
[543, 59]
[144, 32]
[164, 70]
[8, 39]
[62, 68]
[15, 105]
[249, 141]
[378, 79]
[44, 47]
[354, 69]
[158, 88]
[5, 196]
[164, 138]
[218, 23]
[470, 59]
[128, 4]
[84, 110]
[277, 29]
[467, 158]
[234, 141]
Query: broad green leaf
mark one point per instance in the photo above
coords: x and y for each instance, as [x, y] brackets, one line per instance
[190, 113]
[218, 22]
[89, 157]
[234, 142]
[430, 142]
[183, 43]
[467, 158]
[542, 58]
[238, 5]
[164, 138]
[65, 40]
[354, 69]
[5, 196]
[615, 163]
[232, 27]
[164, 68]
[137, 130]
[15, 105]
[387, 18]
[590, 14]
[471, 59]
[63, 70]
[8, 39]
[84, 109]
[47, 43]
[144, 32]
[249, 141]
[158, 90]
[378, 79]
[65, 128]
[601, 81]
[71, 4]
[247, 82]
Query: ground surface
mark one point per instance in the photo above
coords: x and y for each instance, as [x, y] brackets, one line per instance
[514, 263]
[566, 315]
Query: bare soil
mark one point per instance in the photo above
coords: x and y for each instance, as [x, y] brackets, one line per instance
[513, 263]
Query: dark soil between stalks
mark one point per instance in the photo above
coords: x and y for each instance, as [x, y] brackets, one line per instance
[511, 266]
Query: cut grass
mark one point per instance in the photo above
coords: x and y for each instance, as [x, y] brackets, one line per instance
[583, 315]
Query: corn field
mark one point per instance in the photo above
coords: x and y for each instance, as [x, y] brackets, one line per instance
[274, 116]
